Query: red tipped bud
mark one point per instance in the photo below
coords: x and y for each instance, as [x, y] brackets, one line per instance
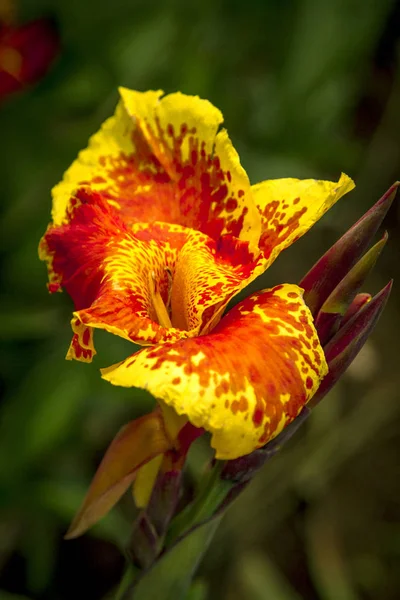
[342, 349]
[326, 274]
[336, 305]
[359, 301]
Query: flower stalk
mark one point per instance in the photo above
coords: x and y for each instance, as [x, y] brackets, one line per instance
[214, 488]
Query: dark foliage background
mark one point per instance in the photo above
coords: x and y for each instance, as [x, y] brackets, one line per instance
[308, 88]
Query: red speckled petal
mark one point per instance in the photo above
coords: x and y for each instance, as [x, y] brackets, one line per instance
[162, 160]
[290, 207]
[118, 163]
[214, 190]
[246, 380]
[207, 276]
[112, 271]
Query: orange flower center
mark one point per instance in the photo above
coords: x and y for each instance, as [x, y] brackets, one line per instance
[162, 310]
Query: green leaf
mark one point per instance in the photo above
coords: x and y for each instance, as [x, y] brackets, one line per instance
[198, 591]
[171, 576]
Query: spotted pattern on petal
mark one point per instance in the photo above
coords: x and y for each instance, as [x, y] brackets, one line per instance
[245, 381]
[108, 268]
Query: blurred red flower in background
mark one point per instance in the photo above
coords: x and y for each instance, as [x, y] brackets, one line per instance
[26, 53]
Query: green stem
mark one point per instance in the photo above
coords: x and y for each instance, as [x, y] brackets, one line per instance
[128, 578]
[190, 549]
[210, 497]
[171, 575]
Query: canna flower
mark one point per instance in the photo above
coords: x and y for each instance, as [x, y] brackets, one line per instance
[26, 53]
[344, 318]
[155, 228]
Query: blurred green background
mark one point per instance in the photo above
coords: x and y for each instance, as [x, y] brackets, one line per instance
[307, 88]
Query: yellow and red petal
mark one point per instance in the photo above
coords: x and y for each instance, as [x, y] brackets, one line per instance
[118, 163]
[213, 188]
[290, 207]
[107, 271]
[246, 380]
[82, 346]
[133, 282]
[162, 160]
[207, 275]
